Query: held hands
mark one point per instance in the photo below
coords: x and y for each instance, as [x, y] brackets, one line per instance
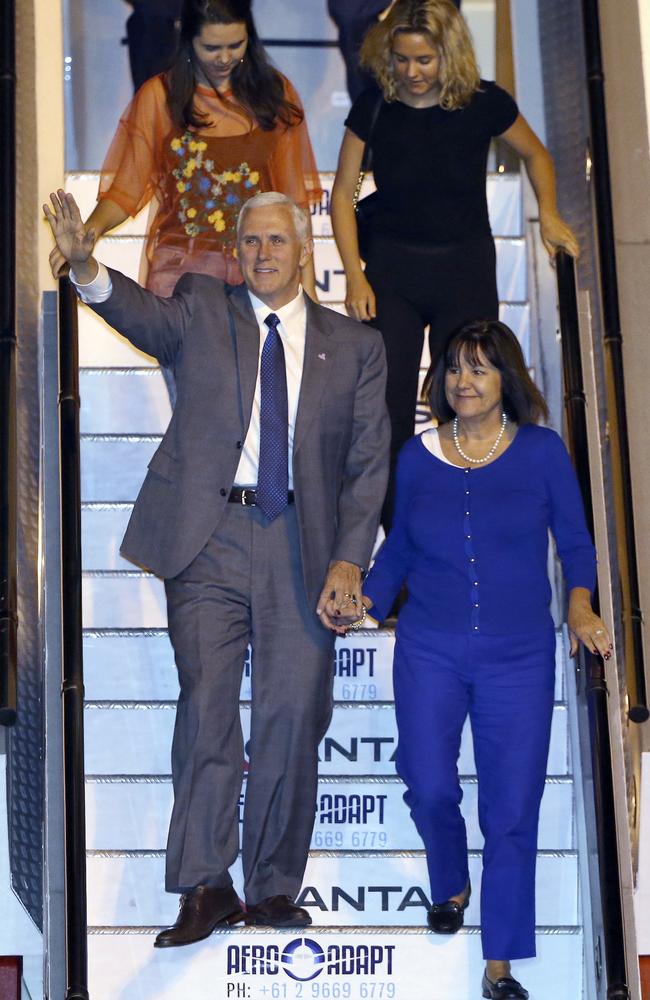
[359, 298]
[74, 243]
[585, 625]
[340, 600]
[557, 235]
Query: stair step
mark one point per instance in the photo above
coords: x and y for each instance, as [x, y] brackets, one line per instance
[423, 966]
[503, 197]
[118, 401]
[138, 665]
[112, 468]
[121, 400]
[100, 346]
[136, 739]
[129, 889]
[352, 815]
[124, 253]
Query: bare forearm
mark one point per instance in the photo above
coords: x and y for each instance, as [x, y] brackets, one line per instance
[344, 224]
[541, 174]
[105, 216]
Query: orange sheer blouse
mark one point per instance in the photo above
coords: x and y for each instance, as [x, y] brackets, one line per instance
[200, 178]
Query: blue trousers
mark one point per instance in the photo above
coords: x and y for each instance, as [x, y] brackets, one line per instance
[505, 684]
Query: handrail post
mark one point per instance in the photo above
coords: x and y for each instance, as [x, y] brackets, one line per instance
[615, 381]
[8, 472]
[72, 647]
[601, 754]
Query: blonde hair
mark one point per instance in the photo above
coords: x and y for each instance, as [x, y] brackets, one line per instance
[439, 21]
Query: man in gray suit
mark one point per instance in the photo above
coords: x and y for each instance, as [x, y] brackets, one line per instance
[259, 510]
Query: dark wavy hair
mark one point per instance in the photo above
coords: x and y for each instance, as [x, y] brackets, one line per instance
[256, 84]
[522, 400]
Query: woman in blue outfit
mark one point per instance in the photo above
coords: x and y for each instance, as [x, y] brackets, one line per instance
[475, 500]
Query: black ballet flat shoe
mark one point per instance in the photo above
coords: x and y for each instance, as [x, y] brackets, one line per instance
[505, 988]
[447, 918]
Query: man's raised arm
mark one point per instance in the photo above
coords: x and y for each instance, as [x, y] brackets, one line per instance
[154, 325]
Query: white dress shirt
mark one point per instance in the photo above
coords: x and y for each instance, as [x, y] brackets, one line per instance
[292, 331]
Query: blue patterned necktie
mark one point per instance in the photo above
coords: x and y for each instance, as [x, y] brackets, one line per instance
[273, 471]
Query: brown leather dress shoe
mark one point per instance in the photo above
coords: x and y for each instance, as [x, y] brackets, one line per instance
[277, 911]
[201, 910]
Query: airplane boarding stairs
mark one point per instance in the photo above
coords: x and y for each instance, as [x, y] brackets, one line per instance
[365, 885]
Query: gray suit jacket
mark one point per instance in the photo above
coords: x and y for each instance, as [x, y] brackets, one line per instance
[340, 454]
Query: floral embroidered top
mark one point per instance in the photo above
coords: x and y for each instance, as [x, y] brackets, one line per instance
[200, 178]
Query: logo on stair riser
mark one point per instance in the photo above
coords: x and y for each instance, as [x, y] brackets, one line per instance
[304, 959]
[349, 661]
[354, 749]
[338, 809]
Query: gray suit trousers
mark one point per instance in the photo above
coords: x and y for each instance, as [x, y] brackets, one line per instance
[246, 585]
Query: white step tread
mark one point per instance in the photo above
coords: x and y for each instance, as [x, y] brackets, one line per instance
[123, 400]
[503, 196]
[422, 966]
[361, 740]
[99, 345]
[351, 815]
[385, 890]
[139, 666]
[124, 253]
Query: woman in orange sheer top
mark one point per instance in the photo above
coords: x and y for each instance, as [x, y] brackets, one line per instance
[218, 127]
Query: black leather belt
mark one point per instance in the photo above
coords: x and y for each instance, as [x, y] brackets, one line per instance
[248, 497]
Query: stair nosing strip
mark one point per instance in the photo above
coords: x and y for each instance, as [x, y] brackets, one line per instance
[116, 574]
[324, 779]
[147, 370]
[322, 240]
[73, 175]
[156, 704]
[108, 504]
[159, 853]
[163, 704]
[153, 368]
[118, 631]
[118, 930]
[108, 437]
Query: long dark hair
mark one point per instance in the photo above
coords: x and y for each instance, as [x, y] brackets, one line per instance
[256, 85]
[522, 400]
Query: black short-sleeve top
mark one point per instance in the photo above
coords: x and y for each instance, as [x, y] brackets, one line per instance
[430, 164]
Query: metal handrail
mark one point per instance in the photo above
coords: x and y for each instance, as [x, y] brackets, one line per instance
[592, 668]
[76, 929]
[8, 470]
[615, 380]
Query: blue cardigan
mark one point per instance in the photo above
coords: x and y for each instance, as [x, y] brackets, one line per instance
[472, 544]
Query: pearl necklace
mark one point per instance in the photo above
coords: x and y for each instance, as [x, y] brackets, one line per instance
[486, 458]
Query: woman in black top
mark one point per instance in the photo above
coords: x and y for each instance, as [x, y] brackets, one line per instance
[431, 259]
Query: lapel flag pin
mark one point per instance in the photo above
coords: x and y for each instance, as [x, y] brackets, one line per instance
[322, 357]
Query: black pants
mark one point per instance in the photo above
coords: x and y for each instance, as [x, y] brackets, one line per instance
[439, 286]
[152, 36]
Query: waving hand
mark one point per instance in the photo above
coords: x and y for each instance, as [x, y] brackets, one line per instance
[73, 241]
